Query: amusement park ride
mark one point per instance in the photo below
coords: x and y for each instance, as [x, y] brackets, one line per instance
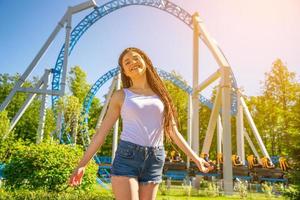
[228, 102]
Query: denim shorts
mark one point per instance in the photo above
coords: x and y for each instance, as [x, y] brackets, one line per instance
[141, 162]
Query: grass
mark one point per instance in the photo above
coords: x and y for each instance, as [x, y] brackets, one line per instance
[178, 193]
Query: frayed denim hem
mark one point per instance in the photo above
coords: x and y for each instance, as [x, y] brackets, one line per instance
[129, 176]
[149, 182]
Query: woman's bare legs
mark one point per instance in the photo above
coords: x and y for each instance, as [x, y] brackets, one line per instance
[148, 191]
[125, 188]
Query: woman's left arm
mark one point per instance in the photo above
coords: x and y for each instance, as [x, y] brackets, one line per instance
[183, 145]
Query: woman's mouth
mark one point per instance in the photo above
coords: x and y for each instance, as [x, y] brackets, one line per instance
[134, 68]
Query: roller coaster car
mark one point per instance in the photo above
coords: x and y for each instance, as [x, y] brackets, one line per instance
[253, 162]
[194, 169]
[238, 168]
[175, 157]
[236, 161]
[276, 173]
[174, 162]
[174, 166]
[269, 170]
[283, 164]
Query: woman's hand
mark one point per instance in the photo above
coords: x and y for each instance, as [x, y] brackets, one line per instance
[76, 177]
[203, 165]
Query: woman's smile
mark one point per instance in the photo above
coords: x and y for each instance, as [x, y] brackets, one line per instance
[134, 68]
[133, 64]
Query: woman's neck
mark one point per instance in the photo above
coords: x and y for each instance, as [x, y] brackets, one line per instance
[140, 83]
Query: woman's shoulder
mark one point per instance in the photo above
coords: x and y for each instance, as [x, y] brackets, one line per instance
[118, 96]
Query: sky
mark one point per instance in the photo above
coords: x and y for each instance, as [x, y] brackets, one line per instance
[251, 33]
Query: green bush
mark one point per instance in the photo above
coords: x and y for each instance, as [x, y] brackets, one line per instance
[66, 195]
[45, 166]
[293, 192]
[267, 189]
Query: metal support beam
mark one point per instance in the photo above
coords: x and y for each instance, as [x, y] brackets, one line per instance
[252, 146]
[69, 12]
[107, 100]
[212, 122]
[240, 129]
[40, 131]
[25, 105]
[254, 129]
[18, 86]
[189, 126]
[195, 103]
[39, 91]
[208, 81]
[116, 126]
[219, 135]
[64, 70]
[211, 44]
[226, 108]
[33, 63]
[83, 6]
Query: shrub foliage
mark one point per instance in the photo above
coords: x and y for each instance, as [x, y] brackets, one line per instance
[46, 166]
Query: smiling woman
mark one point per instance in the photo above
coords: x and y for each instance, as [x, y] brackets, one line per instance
[148, 115]
[133, 65]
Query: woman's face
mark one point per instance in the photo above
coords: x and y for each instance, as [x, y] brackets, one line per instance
[133, 64]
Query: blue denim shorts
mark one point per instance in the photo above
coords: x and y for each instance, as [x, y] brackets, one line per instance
[143, 163]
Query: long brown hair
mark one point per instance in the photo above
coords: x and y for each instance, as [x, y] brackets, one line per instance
[156, 85]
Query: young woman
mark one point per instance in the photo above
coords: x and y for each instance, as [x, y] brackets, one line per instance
[148, 115]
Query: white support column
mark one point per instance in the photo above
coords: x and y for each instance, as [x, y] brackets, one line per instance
[219, 135]
[212, 45]
[195, 101]
[116, 126]
[40, 131]
[107, 100]
[66, 53]
[226, 110]
[212, 122]
[71, 10]
[240, 129]
[252, 146]
[64, 68]
[254, 129]
[189, 126]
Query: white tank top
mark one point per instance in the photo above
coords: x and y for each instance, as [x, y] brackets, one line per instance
[142, 119]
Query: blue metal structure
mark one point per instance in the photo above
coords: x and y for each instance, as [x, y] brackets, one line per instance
[108, 8]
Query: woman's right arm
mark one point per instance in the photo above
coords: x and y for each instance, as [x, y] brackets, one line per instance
[98, 139]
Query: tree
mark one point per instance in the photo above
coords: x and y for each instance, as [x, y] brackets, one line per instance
[28, 123]
[71, 109]
[78, 84]
[280, 90]
[4, 142]
[80, 88]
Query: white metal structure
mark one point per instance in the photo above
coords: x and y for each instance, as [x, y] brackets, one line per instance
[222, 102]
[65, 21]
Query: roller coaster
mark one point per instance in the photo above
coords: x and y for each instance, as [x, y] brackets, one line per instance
[229, 101]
